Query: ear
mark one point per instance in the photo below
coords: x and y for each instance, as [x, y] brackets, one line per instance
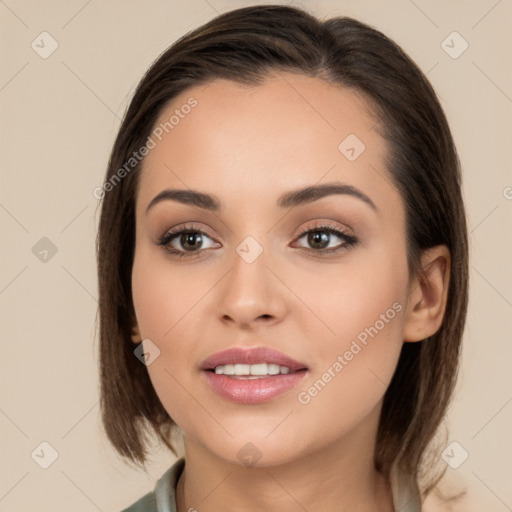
[428, 293]
[135, 335]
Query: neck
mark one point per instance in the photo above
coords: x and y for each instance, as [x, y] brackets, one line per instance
[339, 477]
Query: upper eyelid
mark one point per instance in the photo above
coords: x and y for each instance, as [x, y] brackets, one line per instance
[185, 228]
[325, 225]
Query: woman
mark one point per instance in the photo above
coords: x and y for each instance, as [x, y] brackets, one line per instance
[282, 258]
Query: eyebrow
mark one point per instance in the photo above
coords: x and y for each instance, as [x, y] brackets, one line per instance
[288, 200]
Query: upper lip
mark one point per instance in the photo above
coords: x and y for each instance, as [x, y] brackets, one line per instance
[256, 355]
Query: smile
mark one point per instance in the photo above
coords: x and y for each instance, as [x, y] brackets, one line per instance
[252, 376]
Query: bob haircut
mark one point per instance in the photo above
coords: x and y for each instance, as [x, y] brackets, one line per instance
[246, 46]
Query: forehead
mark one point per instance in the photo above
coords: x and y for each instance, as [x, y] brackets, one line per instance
[287, 132]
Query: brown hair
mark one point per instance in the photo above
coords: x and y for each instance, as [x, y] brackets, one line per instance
[246, 45]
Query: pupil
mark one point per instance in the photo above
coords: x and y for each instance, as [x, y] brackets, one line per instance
[188, 238]
[318, 238]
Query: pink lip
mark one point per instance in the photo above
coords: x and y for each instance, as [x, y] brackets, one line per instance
[252, 391]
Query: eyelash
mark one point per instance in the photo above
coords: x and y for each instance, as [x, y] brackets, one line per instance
[348, 240]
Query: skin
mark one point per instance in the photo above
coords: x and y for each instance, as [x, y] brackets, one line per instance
[247, 146]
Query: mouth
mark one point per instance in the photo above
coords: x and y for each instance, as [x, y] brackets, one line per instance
[252, 376]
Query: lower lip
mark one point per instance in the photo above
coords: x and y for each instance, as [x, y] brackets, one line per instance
[253, 391]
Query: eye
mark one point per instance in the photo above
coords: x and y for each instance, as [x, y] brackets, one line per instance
[320, 238]
[185, 240]
[189, 241]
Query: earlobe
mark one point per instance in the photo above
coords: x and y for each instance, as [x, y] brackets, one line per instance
[135, 335]
[428, 294]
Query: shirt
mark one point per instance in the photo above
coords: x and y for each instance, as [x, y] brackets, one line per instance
[163, 497]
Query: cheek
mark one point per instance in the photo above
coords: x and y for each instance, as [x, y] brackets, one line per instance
[163, 297]
[362, 304]
[365, 292]
[354, 367]
[167, 307]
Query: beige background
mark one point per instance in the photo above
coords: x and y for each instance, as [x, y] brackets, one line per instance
[59, 116]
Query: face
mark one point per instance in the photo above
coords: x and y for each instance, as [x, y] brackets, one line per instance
[321, 278]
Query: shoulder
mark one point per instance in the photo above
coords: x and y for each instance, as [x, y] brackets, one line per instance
[145, 504]
[163, 497]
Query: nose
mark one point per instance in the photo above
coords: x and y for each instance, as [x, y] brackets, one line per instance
[251, 295]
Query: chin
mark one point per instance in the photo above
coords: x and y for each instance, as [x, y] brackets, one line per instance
[256, 450]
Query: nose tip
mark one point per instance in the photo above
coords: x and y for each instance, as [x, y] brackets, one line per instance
[250, 295]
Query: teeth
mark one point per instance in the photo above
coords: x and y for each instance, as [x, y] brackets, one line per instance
[261, 369]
